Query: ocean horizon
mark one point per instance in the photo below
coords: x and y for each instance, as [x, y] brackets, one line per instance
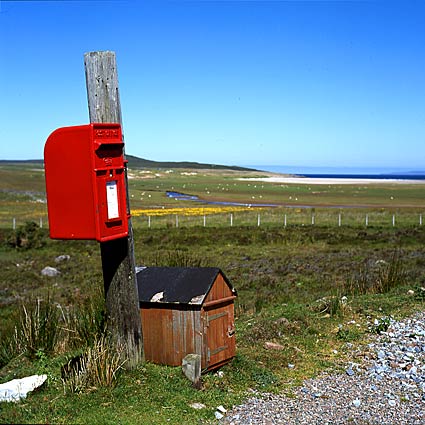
[346, 172]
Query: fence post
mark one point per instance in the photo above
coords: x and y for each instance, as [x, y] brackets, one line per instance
[205, 220]
[420, 219]
[258, 220]
[312, 219]
[284, 220]
[339, 220]
[231, 219]
[118, 263]
[367, 220]
[14, 223]
[393, 220]
[177, 220]
[149, 221]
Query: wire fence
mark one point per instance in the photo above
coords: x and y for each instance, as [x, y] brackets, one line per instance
[285, 218]
[281, 217]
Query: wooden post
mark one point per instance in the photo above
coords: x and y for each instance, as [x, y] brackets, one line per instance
[205, 220]
[367, 220]
[339, 220]
[420, 219]
[118, 263]
[231, 219]
[284, 220]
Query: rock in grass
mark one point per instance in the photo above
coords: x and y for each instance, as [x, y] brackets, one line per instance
[191, 367]
[50, 271]
[17, 389]
[197, 406]
[273, 346]
[283, 321]
[221, 409]
[218, 415]
[61, 258]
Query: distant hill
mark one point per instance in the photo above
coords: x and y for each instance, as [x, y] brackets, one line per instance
[136, 162]
[20, 161]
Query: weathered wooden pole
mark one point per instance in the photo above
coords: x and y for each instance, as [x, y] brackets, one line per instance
[118, 263]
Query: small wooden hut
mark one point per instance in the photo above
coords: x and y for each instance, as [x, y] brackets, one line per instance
[187, 310]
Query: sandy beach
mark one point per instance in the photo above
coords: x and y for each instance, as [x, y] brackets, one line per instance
[330, 181]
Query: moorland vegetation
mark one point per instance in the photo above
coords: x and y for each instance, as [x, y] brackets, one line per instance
[315, 291]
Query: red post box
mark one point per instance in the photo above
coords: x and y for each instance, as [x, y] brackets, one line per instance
[85, 183]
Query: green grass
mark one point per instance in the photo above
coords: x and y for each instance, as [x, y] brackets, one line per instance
[280, 275]
[290, 281]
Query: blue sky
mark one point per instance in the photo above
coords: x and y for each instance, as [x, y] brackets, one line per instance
[303, 83]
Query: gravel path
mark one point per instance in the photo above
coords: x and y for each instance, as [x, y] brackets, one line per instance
[388, 387]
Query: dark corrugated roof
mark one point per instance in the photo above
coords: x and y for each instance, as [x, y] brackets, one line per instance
[185, 285]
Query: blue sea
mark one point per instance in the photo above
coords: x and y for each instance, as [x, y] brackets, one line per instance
[347, 172]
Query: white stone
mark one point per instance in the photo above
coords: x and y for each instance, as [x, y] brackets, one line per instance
[218, 415]
[61, 258]
[50, 271]
[197, 405]
[19, 388]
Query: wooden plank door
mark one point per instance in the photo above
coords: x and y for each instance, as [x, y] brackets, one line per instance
[220, 335]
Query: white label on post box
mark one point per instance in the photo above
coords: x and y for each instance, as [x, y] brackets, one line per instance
[112, 199]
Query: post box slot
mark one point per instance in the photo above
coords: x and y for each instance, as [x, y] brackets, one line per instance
[111, 149]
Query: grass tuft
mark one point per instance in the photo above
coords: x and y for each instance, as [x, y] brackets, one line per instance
[377, 277]
[97, 367]
[38, 329]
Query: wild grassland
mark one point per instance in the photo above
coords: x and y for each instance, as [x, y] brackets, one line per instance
[312, 287]
[290, 284]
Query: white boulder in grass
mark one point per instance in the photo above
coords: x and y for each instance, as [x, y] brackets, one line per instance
[17, 389]
[50, 271]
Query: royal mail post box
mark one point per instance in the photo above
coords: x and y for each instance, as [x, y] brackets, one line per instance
[85, 183]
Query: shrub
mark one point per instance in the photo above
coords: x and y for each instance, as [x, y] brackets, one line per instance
[380, 325]
[28, 236]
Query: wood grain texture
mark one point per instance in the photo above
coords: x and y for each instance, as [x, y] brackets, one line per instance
[118, 263]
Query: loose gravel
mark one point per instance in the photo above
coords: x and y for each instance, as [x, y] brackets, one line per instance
[386, 387]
